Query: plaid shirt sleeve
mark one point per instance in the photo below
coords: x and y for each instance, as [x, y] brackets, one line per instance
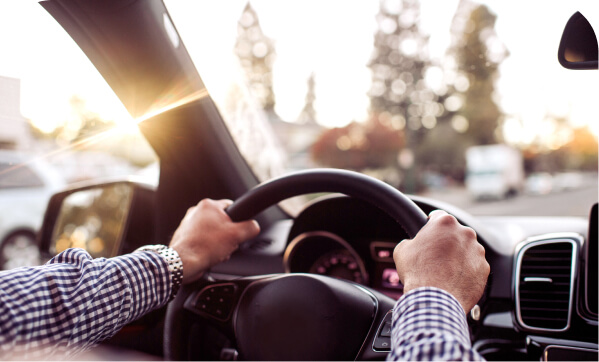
[430, 325]
[74, 301]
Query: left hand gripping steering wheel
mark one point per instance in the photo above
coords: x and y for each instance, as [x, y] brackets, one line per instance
[293, 316]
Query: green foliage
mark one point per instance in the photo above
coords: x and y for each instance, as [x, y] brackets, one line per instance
[398, 63]
[476, 61]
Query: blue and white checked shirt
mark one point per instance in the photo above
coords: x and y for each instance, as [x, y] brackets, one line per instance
[429, 324]
[73, 302]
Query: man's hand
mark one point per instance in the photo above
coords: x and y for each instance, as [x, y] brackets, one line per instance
[446, 255]
[207, 236]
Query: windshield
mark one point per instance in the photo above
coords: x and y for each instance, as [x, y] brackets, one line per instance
[461, 101]
[55, 105]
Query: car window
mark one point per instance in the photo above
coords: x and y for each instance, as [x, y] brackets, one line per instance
[443, 99]
[60, 123]
[55, 105]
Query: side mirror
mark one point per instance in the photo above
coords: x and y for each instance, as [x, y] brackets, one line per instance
[578, 47]
[104, 219]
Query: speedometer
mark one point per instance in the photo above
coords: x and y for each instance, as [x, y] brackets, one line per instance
[339, 264]
[322, 252]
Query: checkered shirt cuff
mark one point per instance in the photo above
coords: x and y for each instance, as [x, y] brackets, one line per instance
[429, 324]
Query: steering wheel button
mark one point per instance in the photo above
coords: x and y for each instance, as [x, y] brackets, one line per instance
[382, 344]
[386, 330]
[227, 289]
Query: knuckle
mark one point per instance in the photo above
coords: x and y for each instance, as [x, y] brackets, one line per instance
[203, 203]
[470, 233]
[436, 212]
[481, 249]
[447, 220]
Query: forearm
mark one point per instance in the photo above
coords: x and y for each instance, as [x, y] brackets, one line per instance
[74, 301]
[429, 324]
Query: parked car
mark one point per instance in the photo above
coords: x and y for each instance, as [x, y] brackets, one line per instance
[26, 184]
[539, 183]
[566, 181]
[214, 140]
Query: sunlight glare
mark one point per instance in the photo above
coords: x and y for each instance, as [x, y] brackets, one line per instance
[155, 111]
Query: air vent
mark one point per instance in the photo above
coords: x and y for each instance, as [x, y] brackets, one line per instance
[544, 287]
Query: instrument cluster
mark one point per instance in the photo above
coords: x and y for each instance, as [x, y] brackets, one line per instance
[325, 253]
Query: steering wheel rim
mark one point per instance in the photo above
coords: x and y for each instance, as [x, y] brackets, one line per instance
[369, 189]
[376, 192]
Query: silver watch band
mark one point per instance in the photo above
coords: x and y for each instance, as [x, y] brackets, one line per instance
[175, 265]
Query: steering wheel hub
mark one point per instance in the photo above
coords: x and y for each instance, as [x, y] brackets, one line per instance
[303, 316]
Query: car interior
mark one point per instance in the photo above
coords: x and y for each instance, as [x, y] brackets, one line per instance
[319, 285]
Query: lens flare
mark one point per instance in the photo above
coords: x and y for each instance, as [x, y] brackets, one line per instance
[119, 129]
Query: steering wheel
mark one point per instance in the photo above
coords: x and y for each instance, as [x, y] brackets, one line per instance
[294, 316]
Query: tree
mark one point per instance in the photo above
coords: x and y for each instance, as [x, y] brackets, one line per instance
[358, 146]
[477, 53]
[399, 93]
[256, 52]
[308, 113]
[398, 63]
[581, 150]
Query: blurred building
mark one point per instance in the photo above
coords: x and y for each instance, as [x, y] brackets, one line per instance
[14, 132]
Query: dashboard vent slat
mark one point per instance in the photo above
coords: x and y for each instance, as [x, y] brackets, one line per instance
[545, 283]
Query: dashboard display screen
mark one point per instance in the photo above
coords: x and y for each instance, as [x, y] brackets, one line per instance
[390, 279]
[591, 277]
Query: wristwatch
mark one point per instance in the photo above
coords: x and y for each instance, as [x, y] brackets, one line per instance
[175, 265]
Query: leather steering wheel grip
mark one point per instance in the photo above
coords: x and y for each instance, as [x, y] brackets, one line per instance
[350, 183]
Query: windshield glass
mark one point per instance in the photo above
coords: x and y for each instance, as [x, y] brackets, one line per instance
[461, 101]
[60, 123]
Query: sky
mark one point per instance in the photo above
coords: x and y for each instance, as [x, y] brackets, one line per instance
[52, 68]
[36, 50]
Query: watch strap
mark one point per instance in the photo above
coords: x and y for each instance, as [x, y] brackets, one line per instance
[175, 265]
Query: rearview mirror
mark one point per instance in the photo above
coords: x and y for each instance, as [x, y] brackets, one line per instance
[578, 47]
[97, 218]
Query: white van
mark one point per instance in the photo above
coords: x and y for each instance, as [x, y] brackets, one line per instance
[494, 171]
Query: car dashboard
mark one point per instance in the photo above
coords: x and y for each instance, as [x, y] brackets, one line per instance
[539, 299]
[541, 296]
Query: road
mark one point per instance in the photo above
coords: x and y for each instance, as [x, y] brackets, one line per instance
[575, 202]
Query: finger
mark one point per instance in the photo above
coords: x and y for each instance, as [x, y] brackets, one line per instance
[224, 203]
[247, 229]
[436, 213]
